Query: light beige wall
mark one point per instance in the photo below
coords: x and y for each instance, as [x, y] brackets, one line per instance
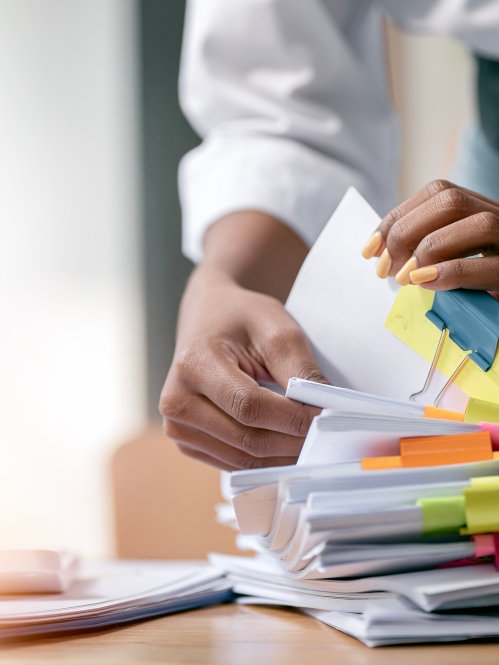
[71, 380]
[433, 90]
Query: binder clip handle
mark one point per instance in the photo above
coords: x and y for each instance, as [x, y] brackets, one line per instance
[472, 320]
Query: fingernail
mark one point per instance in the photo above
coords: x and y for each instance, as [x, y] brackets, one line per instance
[384, 265]
[424, 275]
[372, 245]
[402, 276]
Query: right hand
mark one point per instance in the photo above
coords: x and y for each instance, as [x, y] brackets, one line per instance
[229, 338]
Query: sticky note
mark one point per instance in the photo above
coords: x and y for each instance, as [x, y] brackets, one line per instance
[377, 463]
[496, 548]
[442, 515]
[451, 449]
[443, 414]
[478, 410]
[482, 506]
[407, 321]
[484, 545]
[493, 430]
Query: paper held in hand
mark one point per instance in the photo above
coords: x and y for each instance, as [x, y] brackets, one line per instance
[342, 307]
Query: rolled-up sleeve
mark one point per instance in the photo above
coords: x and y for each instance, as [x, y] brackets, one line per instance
[291, 100]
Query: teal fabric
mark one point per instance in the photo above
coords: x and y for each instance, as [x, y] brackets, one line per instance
[488, 99]
[476, 164]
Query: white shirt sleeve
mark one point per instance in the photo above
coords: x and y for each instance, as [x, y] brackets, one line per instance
[291, 100]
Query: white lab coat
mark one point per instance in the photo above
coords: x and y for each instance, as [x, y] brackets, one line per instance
[291, 98]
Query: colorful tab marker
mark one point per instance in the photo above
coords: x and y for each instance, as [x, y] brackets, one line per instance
[442, 515]
[485, 545]
[451, 449]
[496, 548]
[481, 506]
[493, 430]
[379, 463]
[479, 410]
[442, 414]
[440, 450]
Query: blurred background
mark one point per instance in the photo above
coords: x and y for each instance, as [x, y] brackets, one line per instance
[91, 269]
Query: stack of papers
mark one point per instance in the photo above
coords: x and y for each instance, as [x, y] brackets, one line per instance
[339, 521]
[111, 593]
[353, 547]
[343, 437]
[382, 553]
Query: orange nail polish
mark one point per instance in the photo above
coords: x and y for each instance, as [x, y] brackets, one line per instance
[424, 275]
[402, 276]
[372, 245]
[384, 265]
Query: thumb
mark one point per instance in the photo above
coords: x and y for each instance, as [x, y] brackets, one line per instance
[288, 354]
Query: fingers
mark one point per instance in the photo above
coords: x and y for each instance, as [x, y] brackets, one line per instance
[286, 353]
[238, 395]
[424, 195]
[207, 418]
[206, 459]
[478, 234]
[442, 210]
[200, 443]
[440, 262]
[433, 189]
[377, 242]
[438, 205]
[480, 273]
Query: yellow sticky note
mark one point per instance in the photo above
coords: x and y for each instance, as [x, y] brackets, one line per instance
[482, 506]
[407, 321]
[486, 482]
[479, 411]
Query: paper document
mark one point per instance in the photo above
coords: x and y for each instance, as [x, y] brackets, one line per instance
[113, 593]
[342, 306]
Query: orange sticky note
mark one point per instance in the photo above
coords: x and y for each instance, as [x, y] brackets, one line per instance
[449, 449]
[443, 414]
[378, 463]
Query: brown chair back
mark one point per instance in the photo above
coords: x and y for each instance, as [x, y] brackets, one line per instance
[164, 502]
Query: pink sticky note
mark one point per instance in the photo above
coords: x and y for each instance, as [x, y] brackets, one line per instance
[485, 546]
[493, 428]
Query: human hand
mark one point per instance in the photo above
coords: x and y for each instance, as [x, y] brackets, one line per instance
[433, 239]
[228, 339]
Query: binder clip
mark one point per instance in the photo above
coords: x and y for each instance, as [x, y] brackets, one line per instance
[472, 320]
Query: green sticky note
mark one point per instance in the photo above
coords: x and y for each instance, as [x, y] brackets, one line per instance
[479, 411]
[445, 514]
[482, 506]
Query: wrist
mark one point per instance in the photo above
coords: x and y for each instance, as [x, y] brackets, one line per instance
[255, 251]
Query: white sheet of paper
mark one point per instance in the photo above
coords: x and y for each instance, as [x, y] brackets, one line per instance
[342, 306]
[107, 585]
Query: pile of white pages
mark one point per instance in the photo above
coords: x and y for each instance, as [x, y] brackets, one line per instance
[338, 544]
[104, 594]
[393, 554]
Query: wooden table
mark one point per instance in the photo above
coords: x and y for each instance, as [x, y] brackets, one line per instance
[235, 635]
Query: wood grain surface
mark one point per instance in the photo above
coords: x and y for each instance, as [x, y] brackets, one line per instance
[235, 635]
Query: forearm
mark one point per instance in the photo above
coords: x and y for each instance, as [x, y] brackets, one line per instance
[233, 334]
[255, 250]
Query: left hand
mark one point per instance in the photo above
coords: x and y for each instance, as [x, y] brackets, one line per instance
[433, 239]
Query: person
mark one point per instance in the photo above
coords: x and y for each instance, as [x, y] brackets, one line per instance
[291, 100]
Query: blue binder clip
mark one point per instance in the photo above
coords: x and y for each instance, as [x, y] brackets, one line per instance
[472, 320]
